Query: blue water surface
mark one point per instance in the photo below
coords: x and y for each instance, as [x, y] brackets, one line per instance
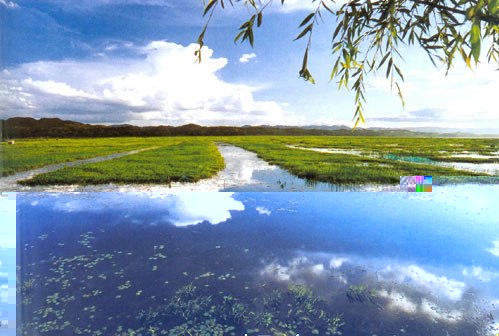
[431, 259]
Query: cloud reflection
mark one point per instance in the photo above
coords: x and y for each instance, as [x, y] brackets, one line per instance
[180, 209]
[494, 250]
[403, 287]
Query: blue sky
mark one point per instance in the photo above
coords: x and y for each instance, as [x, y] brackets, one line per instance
[131, 61]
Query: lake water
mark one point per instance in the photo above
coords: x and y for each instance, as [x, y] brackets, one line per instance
[260, 263]
[486, 168]
[243, 171]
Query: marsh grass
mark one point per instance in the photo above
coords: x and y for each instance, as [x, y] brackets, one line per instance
[189, 159]
[29, 154]
[184, 160]
[344, 168]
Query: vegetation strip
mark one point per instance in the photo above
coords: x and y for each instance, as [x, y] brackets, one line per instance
[30, 154]
[347, 168]
[184, 160]
[12, 180]
[379, 159]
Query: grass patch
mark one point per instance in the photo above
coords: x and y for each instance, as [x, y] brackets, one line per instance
[345, 169]
[30, 154]
[180, 159]
[194, 158]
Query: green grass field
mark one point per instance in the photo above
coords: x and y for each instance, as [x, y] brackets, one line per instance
[178, 159]
[381, 159]
[345, 168]
[30, 154]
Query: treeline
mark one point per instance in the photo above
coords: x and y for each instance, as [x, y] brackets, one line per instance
[19, 127]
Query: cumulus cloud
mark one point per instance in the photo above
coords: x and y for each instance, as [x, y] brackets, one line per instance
[291, 6]
[407, 288]
[480, 274]
[96, 3]
[416, 277]
[296, 270]
[462, 99]
[422, 115]
[297, 5]
[180, 209]
[494, 250]
[158, 84]
[194, 208]
[263, 211]
[245, 58]
[9, 4]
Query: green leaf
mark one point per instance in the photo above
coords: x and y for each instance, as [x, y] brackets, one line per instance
[493, 6]
[475, 40]
[465, 57]
[308, 18]
[399, 92]
[304, 32]
[260, 19]
[389, 67]
[399, 72]
[238, 36]
[251, 37]
[327, 8]
[209, 6]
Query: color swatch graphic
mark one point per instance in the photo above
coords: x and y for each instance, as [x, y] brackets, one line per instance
[7, 264]
[416, 183]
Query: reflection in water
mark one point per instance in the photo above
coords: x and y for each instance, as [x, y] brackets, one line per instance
[488, 168]
[243, 171]
[307, 263]
[9, 183]
[329, 150]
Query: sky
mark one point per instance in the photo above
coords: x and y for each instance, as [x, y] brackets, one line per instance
[132, 61]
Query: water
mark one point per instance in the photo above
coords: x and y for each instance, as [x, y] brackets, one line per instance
[360, 263]
[243, 171]
[487, 168]
[9, 183]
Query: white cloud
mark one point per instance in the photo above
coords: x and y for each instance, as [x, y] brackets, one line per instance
[494, 250]
[337, 262]
[297, 5]
[438, 313]
[263, 211]
[194, 208]
[464, 98]
[180, 209]
[432, 284]
[245, 58]
[96, 3]
[9, 4]
[296, 270]
[160, 84]
[291, 6]
[398, 301]
[480, 274]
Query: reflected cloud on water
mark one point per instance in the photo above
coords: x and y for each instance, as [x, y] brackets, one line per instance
[180, 209]
[425, 260]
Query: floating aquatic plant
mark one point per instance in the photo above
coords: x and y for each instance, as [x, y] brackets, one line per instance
[361, 293]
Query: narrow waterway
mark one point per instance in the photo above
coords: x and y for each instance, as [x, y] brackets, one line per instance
[486, 168]
[10, 183]
[243, 171]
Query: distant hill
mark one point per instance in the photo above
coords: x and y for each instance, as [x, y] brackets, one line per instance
[22, 127]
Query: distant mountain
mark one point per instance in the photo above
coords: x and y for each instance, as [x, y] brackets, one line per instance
[20, 127]
[476, 131]
[327, 127]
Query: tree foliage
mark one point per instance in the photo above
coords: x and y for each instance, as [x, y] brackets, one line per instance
[369, 33]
